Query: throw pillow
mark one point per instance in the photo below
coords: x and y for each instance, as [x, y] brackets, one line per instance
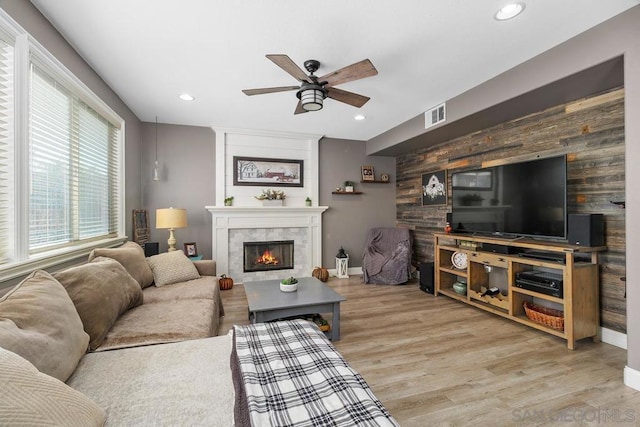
[172, 267]
[131, 256]
[39, 322]
[31, 397]
[101, 291]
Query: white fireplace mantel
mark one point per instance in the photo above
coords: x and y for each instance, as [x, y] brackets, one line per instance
[226, 218]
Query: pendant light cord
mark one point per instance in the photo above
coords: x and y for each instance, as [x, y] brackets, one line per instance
[156, 138]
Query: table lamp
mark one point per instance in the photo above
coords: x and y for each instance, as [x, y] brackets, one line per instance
[171, 218]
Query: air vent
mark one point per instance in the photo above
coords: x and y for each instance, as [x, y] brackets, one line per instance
[434, 116]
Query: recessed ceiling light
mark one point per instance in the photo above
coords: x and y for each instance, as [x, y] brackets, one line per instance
[359, 117]
[186, 97]
[509, 11]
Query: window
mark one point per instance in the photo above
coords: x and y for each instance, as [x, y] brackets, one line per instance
[61, 160]
[73, 157]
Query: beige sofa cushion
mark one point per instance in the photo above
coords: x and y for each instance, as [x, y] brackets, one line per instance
[30, 397]
[131, 256]
[101, 290]
[163, 322]
[172, 267]
[39, 322]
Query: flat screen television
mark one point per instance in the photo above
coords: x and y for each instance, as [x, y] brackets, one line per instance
[518, 199]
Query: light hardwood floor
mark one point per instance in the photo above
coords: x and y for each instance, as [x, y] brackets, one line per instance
[434, 361]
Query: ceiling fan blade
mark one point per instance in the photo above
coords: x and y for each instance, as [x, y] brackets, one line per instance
[284, 62]
[269, 90]
[299, 109]
[356, 71]
[347, 97]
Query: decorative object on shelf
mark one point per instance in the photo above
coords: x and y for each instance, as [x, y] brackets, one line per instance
[367, 173]
[258, 171]
[225, 282]
[467, 244]
[448, 228]
[434, 188]
[307, 201]
[342, 264]
[228, 201]
[141, 232]
[270, 197]
[289, 284]
[384, 177]
[460, 288]
[172, 219]
[459, 260]
[156, 166]
[545, 316]
[471, 199]
[191, 249]
[348, 186]
[321, 274]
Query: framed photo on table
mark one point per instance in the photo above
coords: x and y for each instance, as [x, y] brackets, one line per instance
[367, 173]
[190, 249]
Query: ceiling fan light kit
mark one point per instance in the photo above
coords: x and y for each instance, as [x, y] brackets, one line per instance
[313, 90]
[311, 96]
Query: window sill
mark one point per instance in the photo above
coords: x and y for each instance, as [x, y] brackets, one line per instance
[47, 260]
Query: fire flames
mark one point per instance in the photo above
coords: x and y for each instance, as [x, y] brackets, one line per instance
[267, 258]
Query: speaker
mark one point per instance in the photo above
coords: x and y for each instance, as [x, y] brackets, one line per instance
[449, 218]
[151, 248]
[426, 277]
[586, 229]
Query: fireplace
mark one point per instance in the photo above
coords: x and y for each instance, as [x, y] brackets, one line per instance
[267, 256]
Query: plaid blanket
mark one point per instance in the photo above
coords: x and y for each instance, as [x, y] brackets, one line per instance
[293, 376]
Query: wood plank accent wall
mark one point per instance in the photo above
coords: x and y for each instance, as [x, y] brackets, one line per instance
[589, 131]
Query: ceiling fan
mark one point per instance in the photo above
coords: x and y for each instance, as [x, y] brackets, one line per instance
[313, 89]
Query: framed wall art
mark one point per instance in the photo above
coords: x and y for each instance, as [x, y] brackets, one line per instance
[260, 171]
[367, 173]
[434, 188]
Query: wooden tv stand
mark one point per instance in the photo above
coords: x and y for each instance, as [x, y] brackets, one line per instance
[577, 265]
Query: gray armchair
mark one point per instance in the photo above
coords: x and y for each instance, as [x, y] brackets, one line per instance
[387, 256]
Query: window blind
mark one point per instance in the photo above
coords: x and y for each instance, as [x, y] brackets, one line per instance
[74, 168]
[6, 146]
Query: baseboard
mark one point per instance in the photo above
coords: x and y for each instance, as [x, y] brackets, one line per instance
[353, 271]
[631, 378]
[612, 337]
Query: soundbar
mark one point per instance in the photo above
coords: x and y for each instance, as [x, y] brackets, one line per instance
[545, 256]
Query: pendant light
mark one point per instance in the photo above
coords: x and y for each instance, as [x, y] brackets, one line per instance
[156, 167]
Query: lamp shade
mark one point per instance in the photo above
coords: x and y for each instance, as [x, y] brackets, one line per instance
[171, 218]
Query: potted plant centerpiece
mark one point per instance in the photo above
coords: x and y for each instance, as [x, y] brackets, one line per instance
[348, 186]
[271, 197]
[290, 284]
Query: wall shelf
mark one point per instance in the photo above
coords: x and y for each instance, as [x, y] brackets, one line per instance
[377, 181]
[351, 193]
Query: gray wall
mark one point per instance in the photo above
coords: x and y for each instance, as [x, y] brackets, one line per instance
[186, 155]
[31, 20]
[618, 36]
[348, 218]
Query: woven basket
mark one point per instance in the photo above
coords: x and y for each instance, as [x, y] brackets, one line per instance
[545, 316]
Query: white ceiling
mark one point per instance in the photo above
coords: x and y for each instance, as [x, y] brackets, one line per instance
[150, 51]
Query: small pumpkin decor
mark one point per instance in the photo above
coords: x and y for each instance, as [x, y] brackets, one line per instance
[225, 282]
[320, 273]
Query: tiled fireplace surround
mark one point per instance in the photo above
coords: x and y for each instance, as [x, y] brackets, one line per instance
[234, 225]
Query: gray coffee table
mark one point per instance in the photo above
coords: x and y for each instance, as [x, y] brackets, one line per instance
[267, 302]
